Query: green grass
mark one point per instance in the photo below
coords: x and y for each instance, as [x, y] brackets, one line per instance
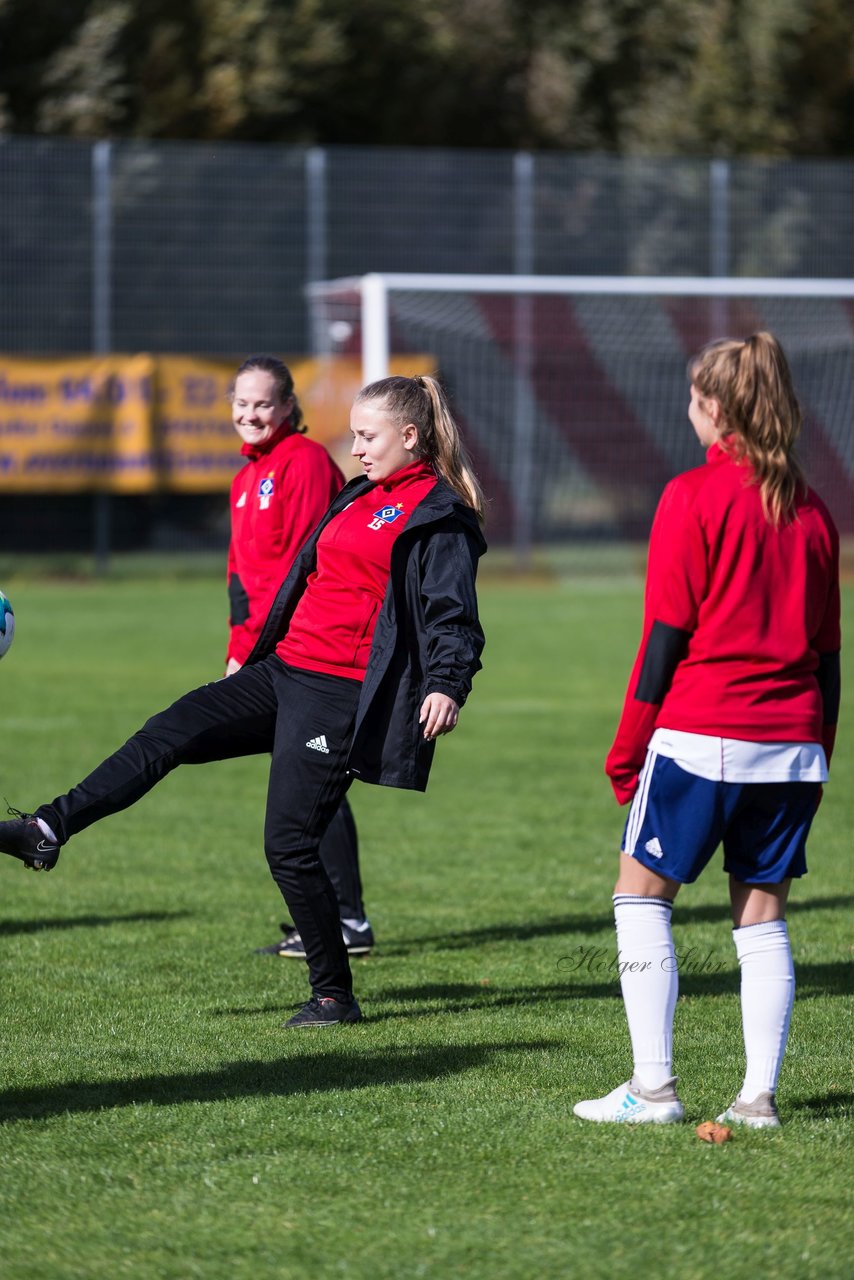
[158, 1122]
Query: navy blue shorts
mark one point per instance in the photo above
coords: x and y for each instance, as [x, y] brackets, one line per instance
[677, 820]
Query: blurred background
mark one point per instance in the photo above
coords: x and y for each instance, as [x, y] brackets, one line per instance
[174, 176]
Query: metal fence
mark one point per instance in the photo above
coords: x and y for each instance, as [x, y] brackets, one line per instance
[203, 248]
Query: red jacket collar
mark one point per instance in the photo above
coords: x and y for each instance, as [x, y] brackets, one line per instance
[256, 451]
[420, 469]
[724, 450]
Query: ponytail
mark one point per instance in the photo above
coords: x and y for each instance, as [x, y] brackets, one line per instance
[752, 382]
[422, 402]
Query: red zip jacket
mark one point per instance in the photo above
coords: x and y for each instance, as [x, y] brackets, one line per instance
[277, 500]
[333, 625]
[741, 630]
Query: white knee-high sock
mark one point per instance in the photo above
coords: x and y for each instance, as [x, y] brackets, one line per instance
[649, 981]
[767, 995]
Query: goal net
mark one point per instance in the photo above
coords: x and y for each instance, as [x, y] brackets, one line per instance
[572, 391]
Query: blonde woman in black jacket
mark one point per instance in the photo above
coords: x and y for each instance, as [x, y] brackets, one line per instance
[366, 657]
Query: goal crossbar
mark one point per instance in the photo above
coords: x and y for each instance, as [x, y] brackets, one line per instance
[571, 388]
[374, 288]
[662, 286]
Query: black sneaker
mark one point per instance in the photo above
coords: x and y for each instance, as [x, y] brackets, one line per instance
[324, 1011]
[359, 942]
[289, 945]
[23, 838]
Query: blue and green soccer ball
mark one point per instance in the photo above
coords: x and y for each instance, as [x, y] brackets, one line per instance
[7, 624]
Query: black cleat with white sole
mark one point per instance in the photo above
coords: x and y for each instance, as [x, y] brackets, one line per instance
[359, 942]
[23, 838]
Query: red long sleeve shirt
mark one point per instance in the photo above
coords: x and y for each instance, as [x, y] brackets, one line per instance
[333, 625]
[277, 500]
[741, 620]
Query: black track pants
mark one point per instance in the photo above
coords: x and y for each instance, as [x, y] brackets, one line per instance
[339, 853]
[305, 720]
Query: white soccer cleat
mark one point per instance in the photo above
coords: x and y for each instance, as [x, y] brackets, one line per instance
[632, 1103]
[761, 1113]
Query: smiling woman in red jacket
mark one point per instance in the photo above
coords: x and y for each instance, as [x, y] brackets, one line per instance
[366, 657]
[277, 499]
[729, 720]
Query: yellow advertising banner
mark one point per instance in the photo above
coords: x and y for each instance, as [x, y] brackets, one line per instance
[142, 423]
[79, 423]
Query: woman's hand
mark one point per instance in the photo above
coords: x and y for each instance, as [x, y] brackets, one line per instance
[439, 714]
[231, 666]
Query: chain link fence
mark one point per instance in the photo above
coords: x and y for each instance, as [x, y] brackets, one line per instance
[206, 249]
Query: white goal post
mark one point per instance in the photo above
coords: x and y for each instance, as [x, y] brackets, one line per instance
[572, 389]
[375, 287]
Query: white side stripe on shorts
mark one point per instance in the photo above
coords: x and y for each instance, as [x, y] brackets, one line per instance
[637, 813]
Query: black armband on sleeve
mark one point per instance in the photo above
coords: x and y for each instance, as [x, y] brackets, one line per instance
[239, 601]
[665, 649]
[828, 679]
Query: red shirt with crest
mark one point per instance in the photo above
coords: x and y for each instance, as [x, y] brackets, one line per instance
[333, 625]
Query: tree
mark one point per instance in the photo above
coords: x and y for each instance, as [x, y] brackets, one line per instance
[733, 77]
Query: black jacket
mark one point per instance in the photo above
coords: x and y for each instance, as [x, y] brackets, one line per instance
[428, 637]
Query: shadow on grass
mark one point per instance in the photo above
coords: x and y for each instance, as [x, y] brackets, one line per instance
[524, 931]
[8, 928]
[828, 1105]
[353, 1067]
[451, 997]
[812, 981]
[684, 913]
[462, 997]
[518, 931]
[457, 997]
[819, 904]
[717, 979]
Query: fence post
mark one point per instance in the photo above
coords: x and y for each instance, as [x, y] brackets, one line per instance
[719, 240]
[316, 242]
[102, 317]
[523, 404]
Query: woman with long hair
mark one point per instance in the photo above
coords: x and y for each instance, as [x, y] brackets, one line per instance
[729, 720]
[277, 498]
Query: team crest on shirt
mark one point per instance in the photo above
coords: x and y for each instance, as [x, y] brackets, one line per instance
[266, 489]
[385, 515]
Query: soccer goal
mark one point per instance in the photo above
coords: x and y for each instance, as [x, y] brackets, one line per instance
[572, 390]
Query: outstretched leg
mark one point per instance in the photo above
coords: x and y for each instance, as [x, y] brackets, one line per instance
[228, 718]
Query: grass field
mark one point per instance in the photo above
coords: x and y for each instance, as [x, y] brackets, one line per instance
[156, 1121]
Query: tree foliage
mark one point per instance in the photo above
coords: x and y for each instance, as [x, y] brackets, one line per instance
[772, 77]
